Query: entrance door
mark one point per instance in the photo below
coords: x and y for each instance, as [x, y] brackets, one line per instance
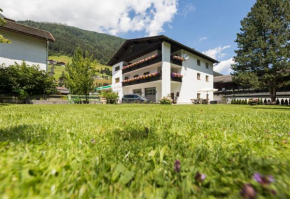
[150, 93]
[137, 91]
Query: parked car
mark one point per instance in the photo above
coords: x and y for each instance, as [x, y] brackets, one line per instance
[131, 98]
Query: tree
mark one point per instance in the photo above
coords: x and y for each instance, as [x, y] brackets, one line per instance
[2, 23]
[263, 47]
[79, 76]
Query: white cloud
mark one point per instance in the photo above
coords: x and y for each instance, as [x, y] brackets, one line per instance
[216, 52]
[187, 9]
[224, 67]
[110, 16]
[202, 39]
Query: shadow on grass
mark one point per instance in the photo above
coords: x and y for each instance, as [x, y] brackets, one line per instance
[1, 105]
[23, 133]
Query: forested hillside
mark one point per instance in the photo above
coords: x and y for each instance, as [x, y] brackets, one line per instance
[101, 46]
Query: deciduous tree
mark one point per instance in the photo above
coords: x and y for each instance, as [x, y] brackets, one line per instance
[79, 76]
[2, 23]
[263, 54]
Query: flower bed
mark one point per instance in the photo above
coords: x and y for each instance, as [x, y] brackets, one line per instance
[141, 77]
[178, 58]
[176, 75]
[140, 61]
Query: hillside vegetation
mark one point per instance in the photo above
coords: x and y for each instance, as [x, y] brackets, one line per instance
[58, 70]
[101, 46]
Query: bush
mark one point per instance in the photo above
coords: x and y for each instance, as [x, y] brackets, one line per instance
[166, 100]
[24, 80]
[282, 102]
[265, 101]
[277, 101]
[286, 102]
[111, 97]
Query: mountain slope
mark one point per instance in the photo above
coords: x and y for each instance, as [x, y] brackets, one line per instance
[101, 46]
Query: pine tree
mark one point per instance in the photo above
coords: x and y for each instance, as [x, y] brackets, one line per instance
[263, 47]
[282, 102]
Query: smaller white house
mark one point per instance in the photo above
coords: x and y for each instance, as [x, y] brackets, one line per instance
[158, 66]
[27, 44]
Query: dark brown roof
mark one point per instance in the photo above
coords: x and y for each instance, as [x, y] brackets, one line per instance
[159, 38]
[22, 29]
[223, 79]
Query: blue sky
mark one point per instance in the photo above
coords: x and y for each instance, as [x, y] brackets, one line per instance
[205, 25]
[209, 26]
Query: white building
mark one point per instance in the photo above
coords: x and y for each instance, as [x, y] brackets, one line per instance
[27, 44]
[152, 67]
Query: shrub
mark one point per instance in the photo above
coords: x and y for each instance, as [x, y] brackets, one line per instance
[111, 97]
[265, 101]
[277, 101]
[166, 100]
[282, 102]
[286, 102]
[24, 80]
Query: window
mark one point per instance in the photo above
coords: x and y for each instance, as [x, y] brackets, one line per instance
[198, 76]
[206, 65]
[117, 68]
[117, 80]
[147, 73]
[150, 91]
[206, 78]
[198, 96]
[198, 62]
[136, 76]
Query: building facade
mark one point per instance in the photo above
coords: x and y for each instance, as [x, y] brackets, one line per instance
[229, 90]
[27, 44]
[154, 67]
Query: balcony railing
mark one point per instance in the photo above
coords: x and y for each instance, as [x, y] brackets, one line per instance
[157, 59]
[149, 79]
[140, 81]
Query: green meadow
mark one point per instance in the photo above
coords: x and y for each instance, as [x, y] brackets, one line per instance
[63, 58]
[129, 151]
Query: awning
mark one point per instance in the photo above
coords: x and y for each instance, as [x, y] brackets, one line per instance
[104, 88]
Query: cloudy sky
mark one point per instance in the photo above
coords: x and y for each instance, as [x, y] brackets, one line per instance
[209, 26]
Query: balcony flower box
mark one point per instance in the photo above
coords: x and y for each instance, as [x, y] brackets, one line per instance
[140, 62]
[142, 79]
[176, 77]
[177, 58]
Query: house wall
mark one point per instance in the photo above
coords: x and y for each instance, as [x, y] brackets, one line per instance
[166, 69]
[190, 84]
[117, 87]
[23, 48]
[156, 84]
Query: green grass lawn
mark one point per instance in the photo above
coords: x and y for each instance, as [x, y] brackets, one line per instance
[129, 151]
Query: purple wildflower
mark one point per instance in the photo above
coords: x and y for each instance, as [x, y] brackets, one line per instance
[199, 177]
[263, 179]
[177, 166]
[248, 192]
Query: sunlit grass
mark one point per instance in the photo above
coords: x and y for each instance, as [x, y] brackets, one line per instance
[128, 151]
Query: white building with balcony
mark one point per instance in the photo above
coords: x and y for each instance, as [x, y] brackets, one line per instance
[158, 66]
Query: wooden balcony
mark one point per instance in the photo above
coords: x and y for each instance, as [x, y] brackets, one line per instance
[150, 62]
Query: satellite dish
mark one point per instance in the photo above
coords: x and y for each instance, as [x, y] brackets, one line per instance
[185, 56]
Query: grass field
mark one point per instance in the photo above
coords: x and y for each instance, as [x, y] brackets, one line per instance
[129, 151]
